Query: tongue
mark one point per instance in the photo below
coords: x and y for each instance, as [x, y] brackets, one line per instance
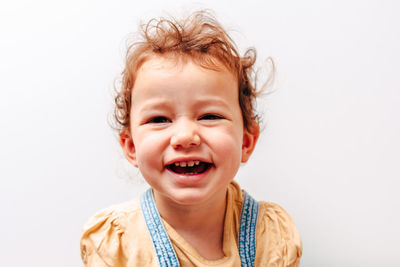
[202, 167]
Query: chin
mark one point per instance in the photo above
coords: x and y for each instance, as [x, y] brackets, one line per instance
[190, 196]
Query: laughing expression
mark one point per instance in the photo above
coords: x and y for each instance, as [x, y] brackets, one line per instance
[187, 135]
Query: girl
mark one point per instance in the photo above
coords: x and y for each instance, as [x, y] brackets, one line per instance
[186, 111]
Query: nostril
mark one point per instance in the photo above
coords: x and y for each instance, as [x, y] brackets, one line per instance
[196, 140]
[185, 140]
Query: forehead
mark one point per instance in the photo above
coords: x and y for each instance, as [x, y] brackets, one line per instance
[176, 61]
[172, 75]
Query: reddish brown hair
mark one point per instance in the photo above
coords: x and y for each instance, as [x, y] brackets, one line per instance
[200, 38]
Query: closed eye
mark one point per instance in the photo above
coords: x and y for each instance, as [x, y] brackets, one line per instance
[211, 117]
[158, 119]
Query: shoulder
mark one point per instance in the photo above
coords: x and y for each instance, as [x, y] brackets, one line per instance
[112, 216]
[272, 212]
[103, 235]
[277, 234]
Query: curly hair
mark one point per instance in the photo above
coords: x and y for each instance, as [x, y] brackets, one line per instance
[203, 40]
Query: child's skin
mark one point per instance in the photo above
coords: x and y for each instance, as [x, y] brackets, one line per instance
[185, 114]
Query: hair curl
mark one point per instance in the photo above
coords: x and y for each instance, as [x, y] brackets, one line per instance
[200, 38]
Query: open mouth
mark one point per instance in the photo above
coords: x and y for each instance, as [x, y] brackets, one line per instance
[189, 168]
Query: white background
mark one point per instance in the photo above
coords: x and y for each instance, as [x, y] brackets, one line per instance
[329, 153]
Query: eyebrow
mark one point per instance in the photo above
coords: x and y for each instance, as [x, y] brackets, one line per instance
[162, 103]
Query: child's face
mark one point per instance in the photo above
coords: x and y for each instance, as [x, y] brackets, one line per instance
[187, 131]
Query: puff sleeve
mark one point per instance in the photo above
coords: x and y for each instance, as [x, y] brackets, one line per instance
[101, 243]
[278, 241]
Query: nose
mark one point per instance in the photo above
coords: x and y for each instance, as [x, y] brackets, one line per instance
[185, 135]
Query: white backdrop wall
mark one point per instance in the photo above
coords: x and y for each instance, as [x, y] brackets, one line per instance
[329, 152]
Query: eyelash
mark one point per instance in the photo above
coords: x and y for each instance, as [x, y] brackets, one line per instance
[158, 119]
[211, 117]
[161, 119]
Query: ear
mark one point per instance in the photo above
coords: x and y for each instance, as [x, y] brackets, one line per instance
[128, 147]
[249, 141]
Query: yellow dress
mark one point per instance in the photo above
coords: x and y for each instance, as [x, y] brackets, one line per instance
[118, 237]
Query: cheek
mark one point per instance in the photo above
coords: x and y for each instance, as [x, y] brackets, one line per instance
[228, 146]
[149, 149]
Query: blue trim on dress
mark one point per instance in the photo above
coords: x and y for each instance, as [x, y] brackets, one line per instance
[163, 246]
[247, 231]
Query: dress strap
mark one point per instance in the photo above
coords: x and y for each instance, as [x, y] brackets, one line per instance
[162, 244]
[247, 231]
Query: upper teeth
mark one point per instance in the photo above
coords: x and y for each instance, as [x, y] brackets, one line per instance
[190, 163]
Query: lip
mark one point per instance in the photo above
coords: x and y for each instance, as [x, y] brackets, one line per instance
[189, 179]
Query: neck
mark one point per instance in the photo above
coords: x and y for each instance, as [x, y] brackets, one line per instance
[201, 225]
